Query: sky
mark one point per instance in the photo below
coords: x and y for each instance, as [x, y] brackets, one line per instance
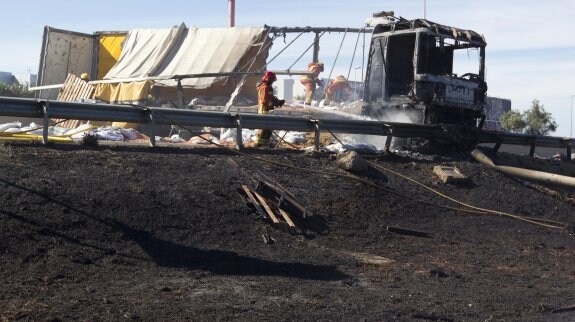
[530, 43]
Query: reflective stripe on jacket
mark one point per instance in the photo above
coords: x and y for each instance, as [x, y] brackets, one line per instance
[314, 78]
[265, 97]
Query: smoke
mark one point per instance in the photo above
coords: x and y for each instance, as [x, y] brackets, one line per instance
[389, 113]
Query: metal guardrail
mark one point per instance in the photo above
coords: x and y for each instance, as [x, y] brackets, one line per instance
[46, 109]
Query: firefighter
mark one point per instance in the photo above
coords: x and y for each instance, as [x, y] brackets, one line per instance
[266, 103]
[338, 88]
[85, 77]
[310, 82]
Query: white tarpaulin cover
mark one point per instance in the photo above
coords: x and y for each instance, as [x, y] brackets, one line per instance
[143, 51]
[180, 51]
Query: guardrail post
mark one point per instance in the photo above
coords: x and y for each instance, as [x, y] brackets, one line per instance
[388, 141]
[316, 136]
[496, 147]
[239, 137]
[46, 106]
[152, 128]
[180, 93]
[532, 148]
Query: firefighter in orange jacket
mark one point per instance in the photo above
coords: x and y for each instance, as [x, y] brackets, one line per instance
[266, 103]
[311, 81]
[339, 87]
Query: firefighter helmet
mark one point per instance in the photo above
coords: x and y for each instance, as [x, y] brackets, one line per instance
[269, 77]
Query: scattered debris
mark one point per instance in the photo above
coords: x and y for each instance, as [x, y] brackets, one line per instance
[90, 139]
[265, 208]
[364, 148]
[433, 317]
[352, 161]
[443, 273]
[74, 89]
[550, 192]
[409, 232]
[449, 174]
[268, 240]
[370, 259]
[275, 203]
[252, 200]
[564, 309]
[203, 139]
[286, 217]
[293, 137]
[284, 199]
[313, 153]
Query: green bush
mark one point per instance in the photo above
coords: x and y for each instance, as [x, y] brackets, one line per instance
[15, 90]
[532, 121]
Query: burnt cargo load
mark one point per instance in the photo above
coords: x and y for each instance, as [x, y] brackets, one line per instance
[412, 74]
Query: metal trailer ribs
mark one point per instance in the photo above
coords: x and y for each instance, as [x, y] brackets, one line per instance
[46, 109]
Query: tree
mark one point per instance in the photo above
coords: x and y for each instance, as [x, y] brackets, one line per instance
[512, 121]
[538, 120]
[15, 90]
[532, 121]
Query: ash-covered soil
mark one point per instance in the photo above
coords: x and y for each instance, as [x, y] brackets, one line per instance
[137, 233]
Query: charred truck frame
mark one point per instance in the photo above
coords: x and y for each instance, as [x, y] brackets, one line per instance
[412, 71]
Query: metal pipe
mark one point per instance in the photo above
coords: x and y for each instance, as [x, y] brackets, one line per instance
[315, 58]
[530, 175]
[571, 127]
[319, 29]
[176, 77]
[231, 13]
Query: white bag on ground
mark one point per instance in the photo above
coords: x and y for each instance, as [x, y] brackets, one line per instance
[13, 125]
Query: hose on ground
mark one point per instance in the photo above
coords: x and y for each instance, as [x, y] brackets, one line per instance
[468, 208]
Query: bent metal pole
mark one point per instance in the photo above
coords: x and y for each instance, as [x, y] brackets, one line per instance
[530, 175]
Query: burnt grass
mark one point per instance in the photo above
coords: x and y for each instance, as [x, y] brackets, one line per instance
[138, 233]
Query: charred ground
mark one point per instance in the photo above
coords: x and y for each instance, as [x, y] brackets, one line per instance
[116, 232]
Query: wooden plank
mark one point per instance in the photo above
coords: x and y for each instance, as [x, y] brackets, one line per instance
[77, 87]
[406, 231]
[67, 124]
[285, 198]
[72, 124]
[365, 258]
[449, 174]
[253, 200]
[73, 90]
[70, 87]
[89, 91]
[286, 218]
[267, 208]
[276, 185]
[63, 88]
[82, 93]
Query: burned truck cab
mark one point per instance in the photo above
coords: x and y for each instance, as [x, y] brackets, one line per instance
[425, 73]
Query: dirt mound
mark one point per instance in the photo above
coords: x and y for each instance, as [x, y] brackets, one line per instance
[110, 233]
